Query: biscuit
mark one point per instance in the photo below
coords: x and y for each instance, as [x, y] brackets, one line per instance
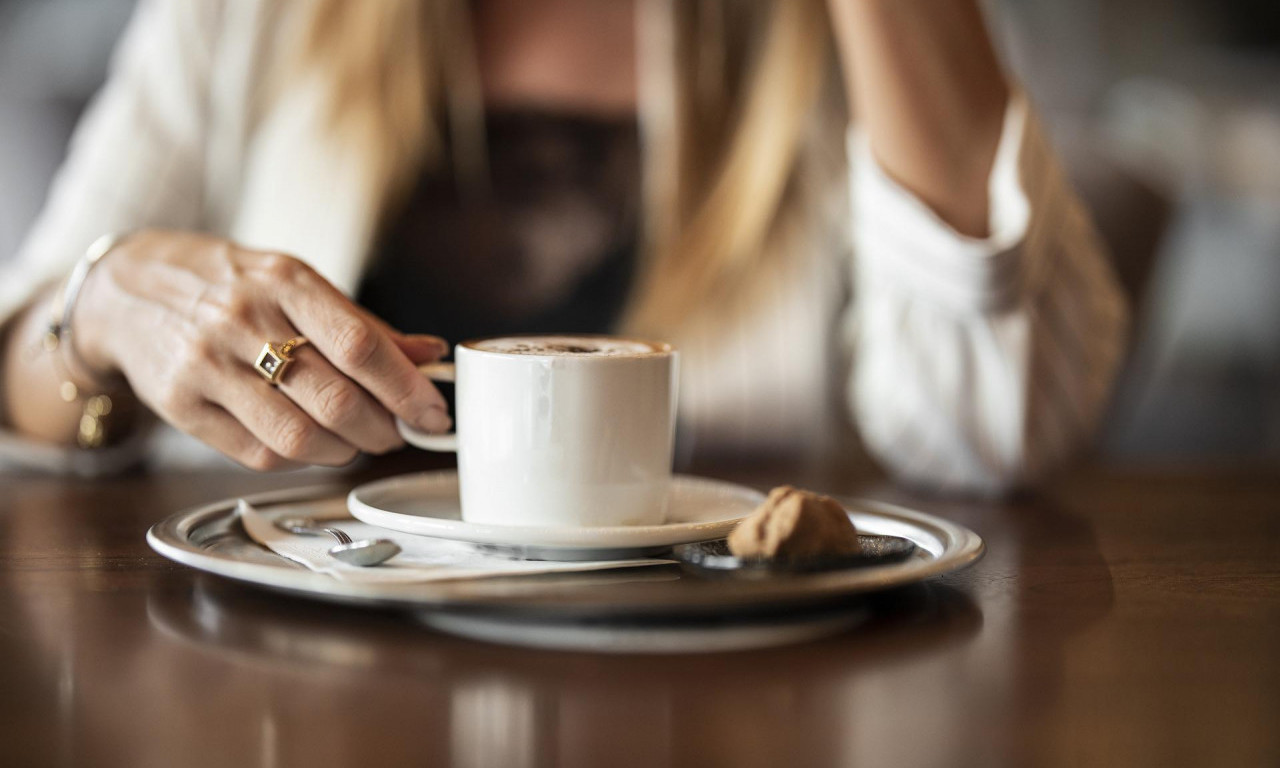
[793, 524]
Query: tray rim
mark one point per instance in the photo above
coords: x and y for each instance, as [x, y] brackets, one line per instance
[172, 538]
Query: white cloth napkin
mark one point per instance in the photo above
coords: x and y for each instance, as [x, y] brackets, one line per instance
[422, 558]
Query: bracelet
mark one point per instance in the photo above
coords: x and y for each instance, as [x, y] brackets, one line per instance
[93, 427]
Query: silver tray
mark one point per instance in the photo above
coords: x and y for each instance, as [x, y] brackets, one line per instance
[210, 539]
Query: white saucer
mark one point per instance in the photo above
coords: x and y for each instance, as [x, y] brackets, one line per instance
[427, 504]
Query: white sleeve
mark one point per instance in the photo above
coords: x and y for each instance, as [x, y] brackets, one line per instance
[980, 364]
[136, 159]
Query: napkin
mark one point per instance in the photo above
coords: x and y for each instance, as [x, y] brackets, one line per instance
[422, 558]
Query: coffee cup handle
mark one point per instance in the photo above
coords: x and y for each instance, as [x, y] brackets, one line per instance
[446, 443]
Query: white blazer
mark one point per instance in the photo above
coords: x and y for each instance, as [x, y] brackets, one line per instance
[966, 363]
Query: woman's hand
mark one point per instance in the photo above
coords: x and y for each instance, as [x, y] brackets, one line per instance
[183, 317]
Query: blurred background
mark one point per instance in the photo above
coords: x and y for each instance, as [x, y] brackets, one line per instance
[1167, 113]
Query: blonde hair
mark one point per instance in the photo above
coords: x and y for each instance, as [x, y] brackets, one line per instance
[725, 117]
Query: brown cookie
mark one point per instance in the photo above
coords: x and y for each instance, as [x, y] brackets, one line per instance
[793, 524]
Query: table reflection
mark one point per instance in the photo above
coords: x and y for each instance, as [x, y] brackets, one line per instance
[487, 705]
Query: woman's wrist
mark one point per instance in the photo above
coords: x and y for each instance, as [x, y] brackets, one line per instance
[91, 391]
[92, 320]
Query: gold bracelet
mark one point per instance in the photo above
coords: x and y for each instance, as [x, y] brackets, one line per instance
[92, 429]
[92, 432]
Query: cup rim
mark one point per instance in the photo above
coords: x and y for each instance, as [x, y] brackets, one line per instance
[658, 348]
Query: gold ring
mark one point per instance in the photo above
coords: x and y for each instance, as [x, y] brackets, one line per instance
[272, 360]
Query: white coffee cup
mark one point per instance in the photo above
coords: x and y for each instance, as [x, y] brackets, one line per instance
[560, 430]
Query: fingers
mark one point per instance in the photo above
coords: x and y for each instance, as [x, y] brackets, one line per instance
[339, 404]
[327, 396]
[277, 422]
[358, 347]
[418, 347]
[219, 429]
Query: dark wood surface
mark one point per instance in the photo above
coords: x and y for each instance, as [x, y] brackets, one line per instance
[1122, 617]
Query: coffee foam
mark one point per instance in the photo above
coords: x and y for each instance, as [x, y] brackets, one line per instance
[567, 346]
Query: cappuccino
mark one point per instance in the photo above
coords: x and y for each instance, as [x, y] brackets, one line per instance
[560, 430]
[599, 346]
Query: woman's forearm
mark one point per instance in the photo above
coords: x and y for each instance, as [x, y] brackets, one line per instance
[928, 90]
[32, 405]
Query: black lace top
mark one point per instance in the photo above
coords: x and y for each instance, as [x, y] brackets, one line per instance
[550, 247]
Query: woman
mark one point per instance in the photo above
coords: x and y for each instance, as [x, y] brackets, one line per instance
[666, 168]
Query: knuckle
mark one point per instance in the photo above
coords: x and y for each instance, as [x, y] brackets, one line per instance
[279, 265]
[280, 269]
[238, 310]
[225, 309]
[194, 359]
[355, 343]
[203, 350]
[294, 438]
[337, 402]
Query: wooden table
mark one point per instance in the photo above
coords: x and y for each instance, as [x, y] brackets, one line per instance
[1123, 617]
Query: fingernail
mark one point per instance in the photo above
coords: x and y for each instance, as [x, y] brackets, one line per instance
[435, 419]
